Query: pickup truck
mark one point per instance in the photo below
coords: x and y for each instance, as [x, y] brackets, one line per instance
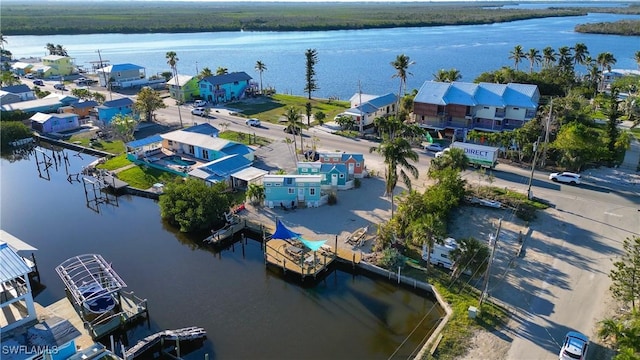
[84, 81]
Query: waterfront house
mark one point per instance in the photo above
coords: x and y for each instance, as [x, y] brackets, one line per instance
[32, 106]
[610, 76]
[122, 75]
[457, 107]
[202, 146]
[16, 299]
[224, 88]
[185, 89]
[66, 100]
[54, 123]
[58, 65]
[333, 175]
[109, 109]
[83, 108]
[220, 170]
[353, 162]
[367, 107]
[288, 190]
[21, 90]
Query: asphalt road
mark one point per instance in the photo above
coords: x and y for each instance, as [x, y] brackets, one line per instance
[563, 280]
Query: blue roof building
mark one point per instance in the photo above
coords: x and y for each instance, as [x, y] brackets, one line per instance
[365, 108]
[109, 109]
[224, 88]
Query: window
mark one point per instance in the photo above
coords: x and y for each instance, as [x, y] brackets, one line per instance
[341, 176]
[357, 165]
[304, 170]
[205, 154]
[170, 142]
[235, 83]
[277, 184]
[312, 191]
[291, 191]
[191, 149]
[288, 181]
[486, 107]
[516, 108]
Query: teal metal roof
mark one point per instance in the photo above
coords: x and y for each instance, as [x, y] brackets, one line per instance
[11, 264]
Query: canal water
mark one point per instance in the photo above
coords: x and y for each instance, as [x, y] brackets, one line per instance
[250, 311]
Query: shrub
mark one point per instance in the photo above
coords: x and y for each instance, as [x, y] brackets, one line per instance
[357, 183]
[526, 212]
[333, 199]
[391, 259]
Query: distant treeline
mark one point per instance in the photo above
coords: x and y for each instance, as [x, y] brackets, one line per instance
[49, 18]
[622, 27]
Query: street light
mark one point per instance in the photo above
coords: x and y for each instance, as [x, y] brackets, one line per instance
[533, 167]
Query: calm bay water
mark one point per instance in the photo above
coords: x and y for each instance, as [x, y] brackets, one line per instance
[345, 57]
[249, 311]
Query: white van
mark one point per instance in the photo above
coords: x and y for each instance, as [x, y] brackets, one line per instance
[440, 253]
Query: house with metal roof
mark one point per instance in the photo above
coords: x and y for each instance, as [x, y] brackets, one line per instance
[109, 109]
[366, 108]
[609, 76]
[184, 88]
[202, 146]
[295, 189]
[8, 98]
[122, 75]
[16, 299]
[54, 123]
[21, 68]
[228, 87]
[23, 91]
[33, 106]
[465, 106]
[221, 170]
[353, 162]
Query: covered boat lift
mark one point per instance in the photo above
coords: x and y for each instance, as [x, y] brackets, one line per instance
[96, 292]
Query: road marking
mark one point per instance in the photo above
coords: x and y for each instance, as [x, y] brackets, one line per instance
[612, 214]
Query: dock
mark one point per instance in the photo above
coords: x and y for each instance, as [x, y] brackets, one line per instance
[293, 257]
[227, 232]
[185, 334]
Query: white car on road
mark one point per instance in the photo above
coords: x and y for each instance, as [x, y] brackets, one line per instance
[435, 147]
[200, 111]
[574, 347]
[565, 177]
[200, 103]
[252, 122]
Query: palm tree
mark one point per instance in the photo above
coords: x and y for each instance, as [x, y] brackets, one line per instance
[293, 116]
[206, 72]
[605, 60]
[447, 75]
[580, 54]
[260, 68]
[60, 50]
[222, 71]
[51, 48]
[548, 56]
[636, 57]
[401, 65]
[534, 58]
[517, 55]
[255, 193]
[427, 231]
[3, 40]
[172, 60]
[471, 254]
[565, 59]
[396, 153]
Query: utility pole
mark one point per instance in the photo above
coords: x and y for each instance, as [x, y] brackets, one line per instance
[488, 273]
[361, 127]
[533, 167]
[546, 135]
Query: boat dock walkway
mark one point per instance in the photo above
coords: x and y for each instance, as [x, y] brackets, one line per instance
[185, 334]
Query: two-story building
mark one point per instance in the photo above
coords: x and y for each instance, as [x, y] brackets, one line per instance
[292, 190]
[457, 107]
[353, 162]
[183, 88]
[122, 75]
[610, 76]
[365, 108]
[109, 109]
[334, 176]
[58, 65]
[224, 88]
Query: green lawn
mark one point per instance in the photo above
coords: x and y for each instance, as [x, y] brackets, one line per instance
[111, 146]
[116, 162]
[271, 109]
[144, 177]
[244, 138]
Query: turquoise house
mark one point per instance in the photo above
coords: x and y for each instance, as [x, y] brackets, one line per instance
[288, 190]
[109, 109]
[224, 88]
[333, 175]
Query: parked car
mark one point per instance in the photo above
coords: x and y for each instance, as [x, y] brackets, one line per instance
[435, 147]
[311, 155]
[200, 103]
[566, 177]
[199, 111]
[252, 122]
[440, 153]
[59, 86]
[38, 82]
[574, 347]
[29, 76]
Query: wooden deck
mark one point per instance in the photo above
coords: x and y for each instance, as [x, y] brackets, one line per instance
[297, 259]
